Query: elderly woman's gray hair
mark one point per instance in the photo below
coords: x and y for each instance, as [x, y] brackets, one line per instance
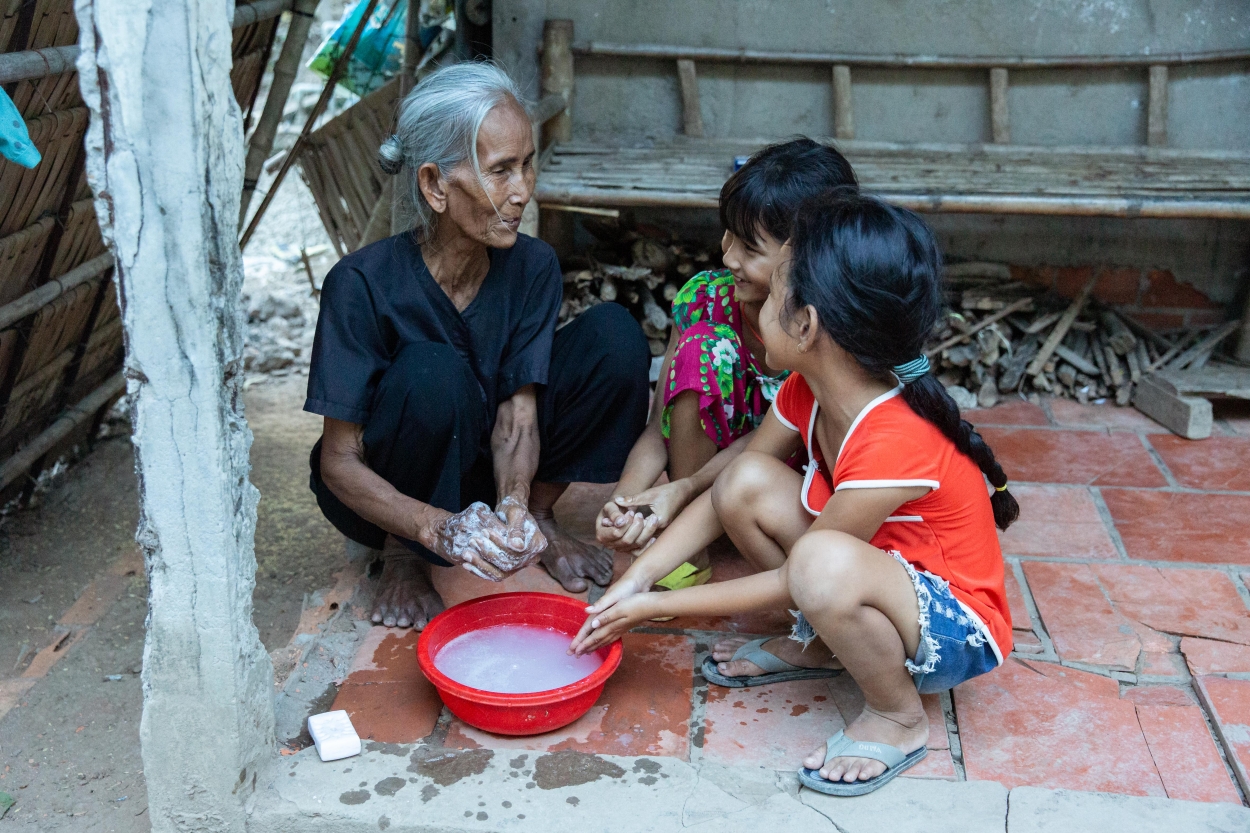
[438, 123]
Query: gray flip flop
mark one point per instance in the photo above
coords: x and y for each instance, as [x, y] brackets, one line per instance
[840, 746]
[776, 670]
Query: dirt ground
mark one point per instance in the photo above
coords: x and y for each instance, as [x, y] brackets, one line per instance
[69, 751]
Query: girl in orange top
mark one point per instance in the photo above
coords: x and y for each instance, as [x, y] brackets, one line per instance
[887, 544]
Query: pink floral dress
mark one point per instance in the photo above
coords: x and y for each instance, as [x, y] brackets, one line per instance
[734, 392]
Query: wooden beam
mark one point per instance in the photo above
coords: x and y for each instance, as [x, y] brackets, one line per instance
[1189, 416]
[691, 114]
[557, 77]
[1157, 113]
[764, 56]
[843, 112]
[1000, 124]
[284, 70]
[547, 108]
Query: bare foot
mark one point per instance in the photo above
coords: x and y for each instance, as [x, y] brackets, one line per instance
[571, 562]
[907, 731]
[406, 597]
[816, 655]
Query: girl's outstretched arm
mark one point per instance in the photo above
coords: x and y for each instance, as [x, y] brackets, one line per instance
[762, 591]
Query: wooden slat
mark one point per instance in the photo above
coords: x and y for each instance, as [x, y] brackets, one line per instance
[843, 112]
[691, 114]
[1000, 124]
[1122, 182]
[1157, 113]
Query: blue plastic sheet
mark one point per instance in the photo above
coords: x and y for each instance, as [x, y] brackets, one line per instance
[15, 141]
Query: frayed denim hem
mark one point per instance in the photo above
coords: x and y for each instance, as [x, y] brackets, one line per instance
[927, 657]
[802, 631]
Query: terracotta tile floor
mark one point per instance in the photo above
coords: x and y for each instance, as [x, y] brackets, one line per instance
[1132, 666]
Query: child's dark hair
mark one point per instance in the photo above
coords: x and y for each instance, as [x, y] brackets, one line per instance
[764, 193]
[873, 273]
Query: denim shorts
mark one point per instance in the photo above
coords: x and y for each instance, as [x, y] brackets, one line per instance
[953, 646]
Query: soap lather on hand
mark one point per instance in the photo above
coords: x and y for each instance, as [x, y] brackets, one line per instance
[483, 542]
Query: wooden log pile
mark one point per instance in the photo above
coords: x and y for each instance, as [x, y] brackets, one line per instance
[1003, 337]
[1000, 337]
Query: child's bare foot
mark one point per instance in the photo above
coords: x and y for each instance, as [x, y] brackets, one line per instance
[907, 731]
[816, 655]
[570, 561]
[406, 597]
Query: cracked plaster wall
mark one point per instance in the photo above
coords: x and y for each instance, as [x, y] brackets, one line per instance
[165, 162]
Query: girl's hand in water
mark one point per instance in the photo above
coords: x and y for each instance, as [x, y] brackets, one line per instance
[605, 628]
[628, 587]
[631, 522]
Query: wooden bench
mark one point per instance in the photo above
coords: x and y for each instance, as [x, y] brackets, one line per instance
[1151, 180]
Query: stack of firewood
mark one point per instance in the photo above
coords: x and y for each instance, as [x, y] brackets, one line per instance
[1006, 337]
[1000, 337]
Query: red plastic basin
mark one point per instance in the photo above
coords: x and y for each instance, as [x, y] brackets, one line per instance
[531, 713]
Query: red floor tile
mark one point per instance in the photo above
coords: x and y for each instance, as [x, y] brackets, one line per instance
[1009, 413]
[1160, 695]
[1057, 522]
[401, 712]
[1207, 656]
[1069, 412]
[1228, 704]
[644, 710]
[1082, 623]
[1091, 458]
[1214, 463]
[1172, 526]
[1020, 619]
[385, 694]
[1026, 642]
[1185, 755]
[774, 727]
[1075, 677]
[938, 765]
[1202, 603]
[1021, 727]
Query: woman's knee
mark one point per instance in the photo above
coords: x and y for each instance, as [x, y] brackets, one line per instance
[609, 332]
[825, 570]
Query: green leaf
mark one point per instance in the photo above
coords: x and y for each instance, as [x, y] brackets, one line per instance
[6, 801]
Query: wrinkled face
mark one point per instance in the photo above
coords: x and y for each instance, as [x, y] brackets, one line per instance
[752, 264]
[489, 210]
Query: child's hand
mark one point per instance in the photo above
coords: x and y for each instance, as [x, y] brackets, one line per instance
[631, 522]
[605, 628]
[626, 588]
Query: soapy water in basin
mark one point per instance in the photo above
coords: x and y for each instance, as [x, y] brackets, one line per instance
[514, 659]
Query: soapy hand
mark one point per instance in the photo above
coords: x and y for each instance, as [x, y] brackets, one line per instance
[523, 534]
[631, 522]
[621, 608]
[479, 540]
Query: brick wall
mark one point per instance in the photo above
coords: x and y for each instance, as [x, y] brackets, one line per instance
[1153, 297]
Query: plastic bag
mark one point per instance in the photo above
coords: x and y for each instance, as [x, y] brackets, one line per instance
[379, 55]
[15, 141]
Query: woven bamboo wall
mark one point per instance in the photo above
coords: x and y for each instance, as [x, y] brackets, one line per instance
[65, 350]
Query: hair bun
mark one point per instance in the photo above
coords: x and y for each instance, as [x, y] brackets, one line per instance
[391, 155]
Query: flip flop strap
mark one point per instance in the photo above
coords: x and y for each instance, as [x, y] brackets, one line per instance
[840, 746]
[754, 652]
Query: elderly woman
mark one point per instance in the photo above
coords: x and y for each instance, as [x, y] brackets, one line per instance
[443, 382]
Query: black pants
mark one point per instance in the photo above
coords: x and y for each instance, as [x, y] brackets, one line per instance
[428, 429]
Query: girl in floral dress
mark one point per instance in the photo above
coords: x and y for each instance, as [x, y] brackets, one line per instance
[715, 386]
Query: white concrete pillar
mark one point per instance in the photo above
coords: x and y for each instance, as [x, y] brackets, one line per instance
[165, 160]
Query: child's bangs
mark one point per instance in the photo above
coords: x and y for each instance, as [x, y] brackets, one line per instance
[744, 206]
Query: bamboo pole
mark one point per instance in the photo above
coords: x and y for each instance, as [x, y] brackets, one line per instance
[317, 110]
[37, 299]
[390, 216]
[284, 70]
[762, 56]
[557, 77]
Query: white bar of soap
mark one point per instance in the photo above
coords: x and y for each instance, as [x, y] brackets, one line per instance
[334, 735]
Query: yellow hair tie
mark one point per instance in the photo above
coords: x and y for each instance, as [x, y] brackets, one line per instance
[1001, 488]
